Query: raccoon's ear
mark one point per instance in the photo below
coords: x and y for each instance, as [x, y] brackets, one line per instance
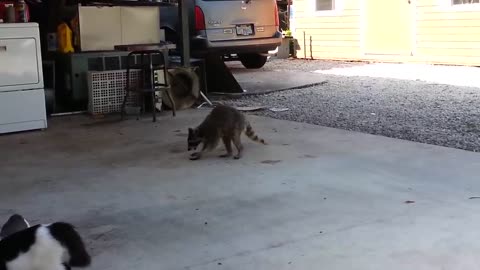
[190, 130]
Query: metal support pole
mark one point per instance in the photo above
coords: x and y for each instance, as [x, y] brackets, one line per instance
[183, 12]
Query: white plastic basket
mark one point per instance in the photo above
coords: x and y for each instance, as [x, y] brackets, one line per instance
[106, 91]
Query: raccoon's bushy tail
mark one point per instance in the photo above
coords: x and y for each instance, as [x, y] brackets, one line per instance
[69, 238]
[251, 134]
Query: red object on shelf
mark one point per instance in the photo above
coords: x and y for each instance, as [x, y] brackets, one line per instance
[3, 10]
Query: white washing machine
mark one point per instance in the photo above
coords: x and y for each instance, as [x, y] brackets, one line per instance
[22, 97]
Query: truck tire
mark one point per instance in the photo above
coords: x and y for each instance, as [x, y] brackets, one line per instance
[252, 60]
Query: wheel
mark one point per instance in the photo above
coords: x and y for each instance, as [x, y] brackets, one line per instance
[252, 60]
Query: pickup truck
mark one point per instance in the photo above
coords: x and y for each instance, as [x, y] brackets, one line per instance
[246, 28]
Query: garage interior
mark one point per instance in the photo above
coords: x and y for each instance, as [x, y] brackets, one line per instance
[82, 54]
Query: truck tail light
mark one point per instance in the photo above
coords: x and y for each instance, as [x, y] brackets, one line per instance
[199, 19]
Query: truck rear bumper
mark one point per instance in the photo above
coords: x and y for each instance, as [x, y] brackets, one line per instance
[203, 45]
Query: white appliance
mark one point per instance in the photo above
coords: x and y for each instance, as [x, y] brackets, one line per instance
[22, 97]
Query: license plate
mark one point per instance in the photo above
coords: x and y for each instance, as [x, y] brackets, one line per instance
[245, 30]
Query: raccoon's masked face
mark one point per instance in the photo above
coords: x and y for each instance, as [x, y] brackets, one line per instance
[194, 139]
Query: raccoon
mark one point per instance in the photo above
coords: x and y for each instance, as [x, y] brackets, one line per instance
[223, 122]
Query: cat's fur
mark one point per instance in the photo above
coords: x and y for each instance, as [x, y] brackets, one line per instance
[223, 122]
[14, 224]
[43, 247]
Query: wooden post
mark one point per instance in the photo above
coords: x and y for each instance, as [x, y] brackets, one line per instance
[311, 49]
[304, 45]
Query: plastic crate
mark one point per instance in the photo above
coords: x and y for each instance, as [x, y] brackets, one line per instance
[106, 91]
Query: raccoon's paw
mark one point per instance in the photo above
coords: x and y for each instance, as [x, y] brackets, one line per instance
[226, 155]
[237, 157]
[195, 156]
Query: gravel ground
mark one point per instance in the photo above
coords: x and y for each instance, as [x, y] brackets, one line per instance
[412, 110]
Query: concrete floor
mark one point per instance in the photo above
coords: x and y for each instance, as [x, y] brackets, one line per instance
[451, 75]
[315, 198]
[254, 82]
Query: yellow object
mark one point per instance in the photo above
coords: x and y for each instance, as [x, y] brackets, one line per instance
[64, 36]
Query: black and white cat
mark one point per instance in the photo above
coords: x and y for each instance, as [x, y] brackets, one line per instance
[55, 246]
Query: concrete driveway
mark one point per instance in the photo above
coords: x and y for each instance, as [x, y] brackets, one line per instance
[278, 75]
[315, 198]
[267, 81]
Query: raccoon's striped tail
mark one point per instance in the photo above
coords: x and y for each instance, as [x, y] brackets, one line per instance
[251, 134]
[69, 238]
